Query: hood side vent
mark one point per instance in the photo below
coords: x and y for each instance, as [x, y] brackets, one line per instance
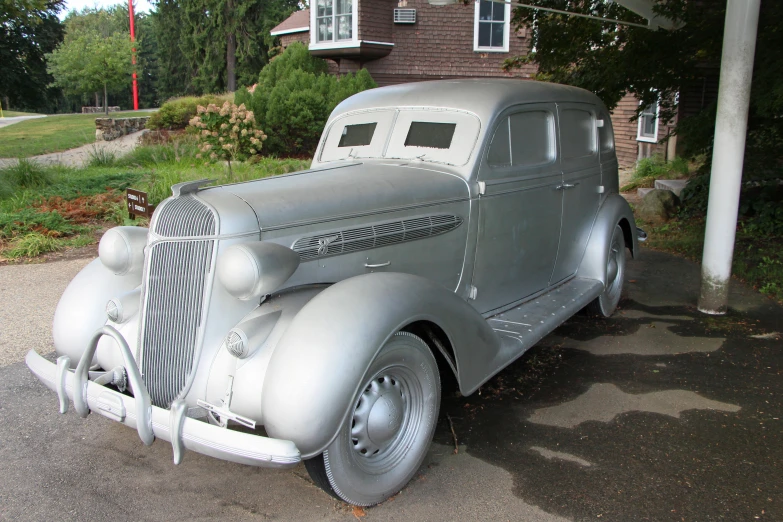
[374, 236]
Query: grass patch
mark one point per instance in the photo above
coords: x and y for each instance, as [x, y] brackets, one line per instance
[52, 134]
[32, 245]
[27, 175]
[647, 170]
[14, 114]
[50, 208]
[758, 259]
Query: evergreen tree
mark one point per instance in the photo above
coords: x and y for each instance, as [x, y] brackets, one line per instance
[28, 30]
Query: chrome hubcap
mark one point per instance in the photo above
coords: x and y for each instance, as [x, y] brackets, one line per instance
[378, 416]
[611, 269]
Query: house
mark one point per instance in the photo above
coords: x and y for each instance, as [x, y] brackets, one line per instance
[400, 41]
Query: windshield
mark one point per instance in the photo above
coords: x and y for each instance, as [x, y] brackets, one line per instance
[426, 134]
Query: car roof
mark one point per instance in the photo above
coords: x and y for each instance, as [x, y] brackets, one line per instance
[484, 97]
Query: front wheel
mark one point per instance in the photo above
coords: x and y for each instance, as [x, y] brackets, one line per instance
[386, 437]
[605, 304]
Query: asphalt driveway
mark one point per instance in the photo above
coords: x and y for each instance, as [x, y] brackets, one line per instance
[659, 413]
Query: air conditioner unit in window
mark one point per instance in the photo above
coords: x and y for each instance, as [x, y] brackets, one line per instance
[404, 16]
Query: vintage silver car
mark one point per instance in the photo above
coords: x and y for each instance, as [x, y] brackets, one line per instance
[443, 227]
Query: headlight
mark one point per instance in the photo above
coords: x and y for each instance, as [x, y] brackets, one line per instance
[121, 249]
[250, 270]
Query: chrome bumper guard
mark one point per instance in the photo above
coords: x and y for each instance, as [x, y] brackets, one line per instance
[150, 421]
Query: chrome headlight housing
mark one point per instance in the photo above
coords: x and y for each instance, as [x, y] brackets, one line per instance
[249, 270]
[121, 249]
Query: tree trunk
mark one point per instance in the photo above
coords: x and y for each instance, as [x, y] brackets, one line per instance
[231, 63]
[105, 100]
[97, 99]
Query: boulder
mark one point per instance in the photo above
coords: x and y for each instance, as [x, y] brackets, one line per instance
[658, 206]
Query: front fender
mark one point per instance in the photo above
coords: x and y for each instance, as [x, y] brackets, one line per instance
[316, 370]
[615, 210]
[82, 307]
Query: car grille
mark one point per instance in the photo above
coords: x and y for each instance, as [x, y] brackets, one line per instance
[374, 236]
[176, 279]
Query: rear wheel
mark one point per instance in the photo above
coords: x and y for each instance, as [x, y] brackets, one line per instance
[605, 304]
[386, 437]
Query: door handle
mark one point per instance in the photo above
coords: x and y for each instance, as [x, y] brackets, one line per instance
[378, 265]
[566, 186]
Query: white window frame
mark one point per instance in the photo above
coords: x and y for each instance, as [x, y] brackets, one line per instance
[506, 30]
[334, 44]
[640, 126]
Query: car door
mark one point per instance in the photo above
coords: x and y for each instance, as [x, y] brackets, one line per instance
[519, 209]
[581, 182]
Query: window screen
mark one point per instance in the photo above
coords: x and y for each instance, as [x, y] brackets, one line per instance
[577, 133]
[357, 135]
[499, 154]
[531, 138]
[430, 134]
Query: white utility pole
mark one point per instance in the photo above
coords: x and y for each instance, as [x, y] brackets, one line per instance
[736, 70]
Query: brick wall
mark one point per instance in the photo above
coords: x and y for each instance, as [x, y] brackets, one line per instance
[439, 45]
[376, 18]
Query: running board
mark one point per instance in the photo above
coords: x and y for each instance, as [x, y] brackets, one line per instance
[520, 328]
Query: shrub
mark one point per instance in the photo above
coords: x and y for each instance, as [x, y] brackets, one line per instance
[647, 170]
[228, 133]
[177, 112]
[294, 97]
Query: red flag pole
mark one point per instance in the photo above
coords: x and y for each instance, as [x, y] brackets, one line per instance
[133, 58]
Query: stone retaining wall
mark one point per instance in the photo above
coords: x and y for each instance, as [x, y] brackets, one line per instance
[96, 110]
[107, 129]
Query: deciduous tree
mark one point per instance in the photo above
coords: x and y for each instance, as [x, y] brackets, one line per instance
[91, 58]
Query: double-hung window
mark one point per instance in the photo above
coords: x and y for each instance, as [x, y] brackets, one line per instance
[334, 20]
[648, 124]
[491, 26]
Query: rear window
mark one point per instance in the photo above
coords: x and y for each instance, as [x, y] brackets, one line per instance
[577, 133]
[357, 135]
[430, 134]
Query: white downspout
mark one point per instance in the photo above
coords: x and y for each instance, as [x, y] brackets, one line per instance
[739, 46]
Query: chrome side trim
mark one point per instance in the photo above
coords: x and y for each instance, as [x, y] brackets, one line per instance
[374, 236]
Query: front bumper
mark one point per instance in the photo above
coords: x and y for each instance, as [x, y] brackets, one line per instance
[150, 421]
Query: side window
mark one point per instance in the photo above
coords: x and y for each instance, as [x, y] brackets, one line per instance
[531, 138]
[499, 154]
[577, 133]
[605, 134]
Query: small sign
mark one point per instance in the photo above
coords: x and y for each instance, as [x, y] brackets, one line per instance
[138, 203]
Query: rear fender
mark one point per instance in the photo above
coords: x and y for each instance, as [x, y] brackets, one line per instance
[316, 370]
[615, 210]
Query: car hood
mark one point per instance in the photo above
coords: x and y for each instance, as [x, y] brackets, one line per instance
[344, 191]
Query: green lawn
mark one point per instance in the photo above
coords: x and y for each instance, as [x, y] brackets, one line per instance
[12, 114]
[52, 134]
